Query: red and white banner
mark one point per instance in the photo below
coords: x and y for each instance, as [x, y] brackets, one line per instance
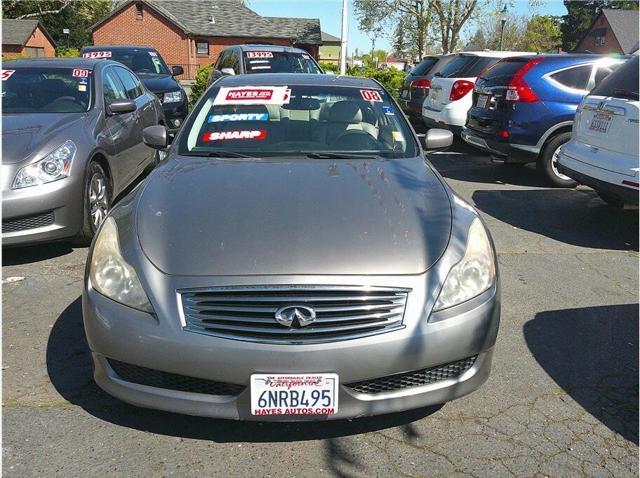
[253, 95]
[259, 54]
[6, 74]
[97, 54]
[256, 134]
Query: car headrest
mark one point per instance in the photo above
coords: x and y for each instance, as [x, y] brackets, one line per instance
[345, 112]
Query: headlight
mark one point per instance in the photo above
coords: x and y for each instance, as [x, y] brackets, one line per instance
[111, 275]
[474, 274]
[56, 165]
[172, 97]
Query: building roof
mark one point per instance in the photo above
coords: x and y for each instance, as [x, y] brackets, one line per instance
[17, 32]
[329, 38]
[624, 24]
[228, 18]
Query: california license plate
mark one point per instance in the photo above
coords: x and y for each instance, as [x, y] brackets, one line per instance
[308, 394]
[600, 123]
[482, 101]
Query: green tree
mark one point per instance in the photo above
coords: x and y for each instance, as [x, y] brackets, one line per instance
[56, 15]
[202, 76]
[542, 34]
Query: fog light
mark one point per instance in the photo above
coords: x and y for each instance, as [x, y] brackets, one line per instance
[504, 134]
[176, 122]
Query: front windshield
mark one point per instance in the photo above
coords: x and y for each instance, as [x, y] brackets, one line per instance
[279, 62]
[46, 90]
[142, 62]
[265, 121]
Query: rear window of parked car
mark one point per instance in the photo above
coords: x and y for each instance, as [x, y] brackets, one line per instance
[424, 66]
[576, 77]
[622, 83]
[466, 66]
[502, 72]
[279, 62]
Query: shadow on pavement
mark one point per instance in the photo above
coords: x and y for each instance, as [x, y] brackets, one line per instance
[592, 353]
[577, 217]
[13, 256]
[70, 371]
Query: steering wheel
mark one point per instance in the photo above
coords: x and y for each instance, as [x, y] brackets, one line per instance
[356, 139]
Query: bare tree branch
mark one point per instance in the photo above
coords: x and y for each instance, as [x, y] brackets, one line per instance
[41, 12]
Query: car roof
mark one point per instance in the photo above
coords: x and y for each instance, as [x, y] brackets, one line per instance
[84, 63]
[116, 48]
[496, 54]
[298, 79]
[274, 48]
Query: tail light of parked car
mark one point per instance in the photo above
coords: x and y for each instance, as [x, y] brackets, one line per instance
[518, 89]
[420, 87]
[459, 89]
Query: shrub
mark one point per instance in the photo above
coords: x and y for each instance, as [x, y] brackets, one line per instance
[67, 52]
[330, 67]
[390, 78]
[202, 75]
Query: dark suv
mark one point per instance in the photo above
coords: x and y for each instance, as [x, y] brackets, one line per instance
[523, 107]
[153, 72]
[415, 86]
[245, 59]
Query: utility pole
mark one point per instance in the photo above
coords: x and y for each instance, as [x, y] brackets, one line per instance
[503, 21]
[343, 51]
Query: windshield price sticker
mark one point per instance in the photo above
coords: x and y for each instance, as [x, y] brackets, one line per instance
[239, 117]
[306, 57]
[97, 54]
[388, 111]
[371, 95]
[269, 95]
[258, 67]
[259, 54]
[315, 394]
[257, 134]
[77, 73]
[6, 74]
[153, 53]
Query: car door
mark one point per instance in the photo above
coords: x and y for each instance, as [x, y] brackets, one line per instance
[140, 154]
[121, 130]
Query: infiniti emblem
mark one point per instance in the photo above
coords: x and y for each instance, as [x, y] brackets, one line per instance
[295, 315]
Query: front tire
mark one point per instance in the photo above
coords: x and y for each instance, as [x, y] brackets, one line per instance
[96, 201]
[548, 162]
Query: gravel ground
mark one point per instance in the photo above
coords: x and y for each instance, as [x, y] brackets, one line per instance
[562, 399]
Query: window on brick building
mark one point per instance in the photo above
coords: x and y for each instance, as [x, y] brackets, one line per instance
[34, 51]
[600, 35]
[202, 47]
[138, 11]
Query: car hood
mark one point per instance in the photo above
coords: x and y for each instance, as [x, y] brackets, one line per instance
[244, 217]
[159, 83]
[24, 134]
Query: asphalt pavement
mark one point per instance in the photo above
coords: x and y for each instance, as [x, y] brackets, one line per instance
[562, 399]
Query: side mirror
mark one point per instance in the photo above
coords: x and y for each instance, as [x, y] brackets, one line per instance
[119, 107]
[177, 70]
[155, 136]
[228, 71]
[437, 139]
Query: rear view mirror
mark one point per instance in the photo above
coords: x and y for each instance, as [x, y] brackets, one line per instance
[228, 71]
[155, 136]
[122, 106]
[177, 70]
[437, 139]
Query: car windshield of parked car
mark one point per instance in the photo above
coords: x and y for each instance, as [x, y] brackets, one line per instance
[46, 90]
[466, 66]
[142, 62]
[318, 121]
[622, 83]
[279, 62]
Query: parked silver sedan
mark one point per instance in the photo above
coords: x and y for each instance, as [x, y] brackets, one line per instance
[295, 257]
[72, 141]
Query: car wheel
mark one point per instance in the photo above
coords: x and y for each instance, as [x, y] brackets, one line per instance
[548, 162]
[610, 200]
[97, 201]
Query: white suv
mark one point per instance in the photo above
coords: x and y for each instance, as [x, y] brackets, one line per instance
[603, 150]
[450, 95]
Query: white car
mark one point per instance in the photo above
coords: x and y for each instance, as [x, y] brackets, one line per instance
[450, 95]
[603, 150]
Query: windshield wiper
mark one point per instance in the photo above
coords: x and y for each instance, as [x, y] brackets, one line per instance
[623, 93]
[322, 155]
[218, 154]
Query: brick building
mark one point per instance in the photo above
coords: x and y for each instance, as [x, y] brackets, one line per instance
[26, 38]
[192, 33]
[613, 31]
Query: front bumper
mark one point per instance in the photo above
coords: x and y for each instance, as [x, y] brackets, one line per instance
[175, 112]
[42, 213]
[503, 150]
[160, 343]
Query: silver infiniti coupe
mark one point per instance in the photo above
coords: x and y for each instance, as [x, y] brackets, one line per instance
[294, 257]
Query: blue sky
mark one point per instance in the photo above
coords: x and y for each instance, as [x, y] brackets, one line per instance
[329, 13]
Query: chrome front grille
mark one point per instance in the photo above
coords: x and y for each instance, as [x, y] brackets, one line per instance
[248, 313]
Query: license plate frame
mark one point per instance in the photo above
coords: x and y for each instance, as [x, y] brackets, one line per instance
[600, 123]
[482, 101]
[314, 394]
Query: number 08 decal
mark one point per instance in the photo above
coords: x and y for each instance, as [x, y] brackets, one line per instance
[371, 95]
